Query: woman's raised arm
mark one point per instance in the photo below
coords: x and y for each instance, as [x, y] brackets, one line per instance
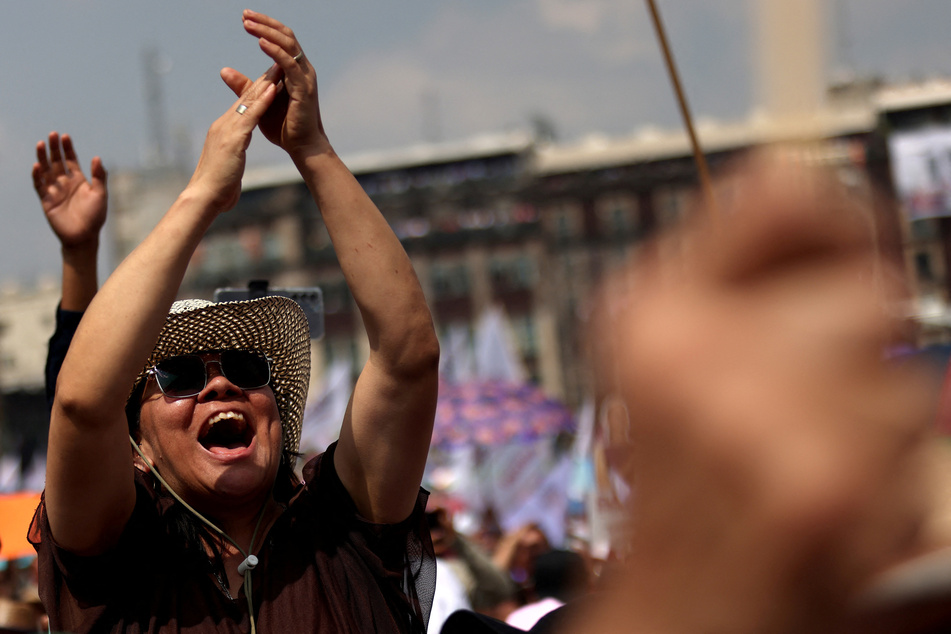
[387, 429]
[89, 486]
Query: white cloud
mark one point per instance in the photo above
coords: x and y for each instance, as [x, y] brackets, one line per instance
[613, 30]
[491, 69]
[584, 16]
[376, 101]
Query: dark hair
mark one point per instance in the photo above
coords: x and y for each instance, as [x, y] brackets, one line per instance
[133, 407]
[562, 574]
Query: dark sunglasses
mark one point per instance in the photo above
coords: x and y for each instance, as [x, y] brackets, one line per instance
[187, 375]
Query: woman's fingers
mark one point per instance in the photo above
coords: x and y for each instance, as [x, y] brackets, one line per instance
[262, 101]
[276, 40]
[272, 30]
[294, 121]
[254, 100]
[237, 81]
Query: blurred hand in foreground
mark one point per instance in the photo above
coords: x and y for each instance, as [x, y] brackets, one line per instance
[777, 454]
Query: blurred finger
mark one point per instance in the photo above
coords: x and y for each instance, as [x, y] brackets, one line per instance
[39, 183]
[69, 153]
[41, 160]
[56, 156]
[98, 171]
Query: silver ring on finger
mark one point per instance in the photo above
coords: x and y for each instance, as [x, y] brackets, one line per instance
[241, 109]
[299, 56]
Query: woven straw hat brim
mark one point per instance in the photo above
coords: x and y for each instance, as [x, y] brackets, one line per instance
[275, 326]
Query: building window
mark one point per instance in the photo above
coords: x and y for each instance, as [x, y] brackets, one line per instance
[526, 343]
[216, 256]
[318, 239]
[513, 273]
[336, 296]
[523, 327]
[272, 247]
[925, 229]
[670, 203]
[617, 214]
[450, 280]
[565, 221]
[923, 267]
[341, 348]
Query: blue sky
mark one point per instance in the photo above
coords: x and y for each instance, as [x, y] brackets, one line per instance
[395, 73]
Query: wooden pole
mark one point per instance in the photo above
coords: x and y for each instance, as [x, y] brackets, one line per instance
[706, 184]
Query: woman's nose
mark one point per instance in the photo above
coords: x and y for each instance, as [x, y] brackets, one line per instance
[218, 385]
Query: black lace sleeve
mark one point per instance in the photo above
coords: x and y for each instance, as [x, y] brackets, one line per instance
[66, 323]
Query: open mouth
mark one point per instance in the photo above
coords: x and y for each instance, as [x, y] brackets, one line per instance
[226, 432]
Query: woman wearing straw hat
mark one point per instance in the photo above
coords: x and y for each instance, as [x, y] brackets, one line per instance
[205, 527]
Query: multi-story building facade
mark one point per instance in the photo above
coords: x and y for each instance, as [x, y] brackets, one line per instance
[27, 319]
[499, 221]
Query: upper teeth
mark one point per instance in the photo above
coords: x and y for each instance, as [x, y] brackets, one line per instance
[225, 416]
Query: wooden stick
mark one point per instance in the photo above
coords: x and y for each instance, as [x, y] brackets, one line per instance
[698, 157]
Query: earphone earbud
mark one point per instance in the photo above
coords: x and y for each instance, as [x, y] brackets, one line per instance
[248, 564]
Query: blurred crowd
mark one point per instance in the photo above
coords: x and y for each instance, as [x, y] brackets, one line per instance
[20, 606]
[516, 576]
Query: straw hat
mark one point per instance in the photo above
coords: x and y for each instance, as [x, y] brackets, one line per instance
[275, 326]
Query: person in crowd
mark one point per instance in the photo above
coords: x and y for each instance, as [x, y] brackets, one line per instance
[450, 595]
[561, 576]
[75, 208]
[18, 617]
[488, 588]
[202, 524]
[516, 553]
[488, 533]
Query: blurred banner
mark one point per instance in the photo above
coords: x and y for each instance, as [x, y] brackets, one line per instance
[921, 170]
[16, 513]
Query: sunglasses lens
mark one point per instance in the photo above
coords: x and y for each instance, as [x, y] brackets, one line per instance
[247, 370]
[180, 376]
